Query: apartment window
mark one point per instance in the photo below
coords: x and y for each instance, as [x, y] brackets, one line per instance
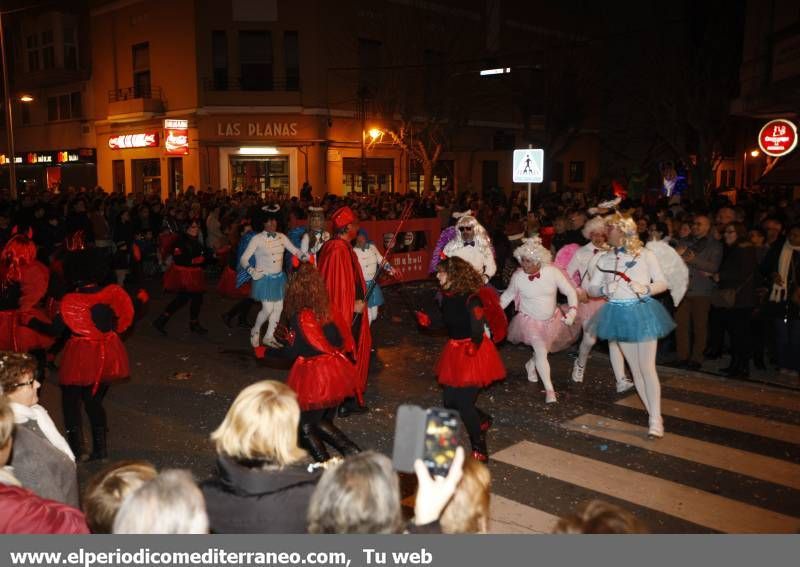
[369, 59]
[64, 107]
[255, 59]
[48, 50]
[32, 44]
[141, 70]
[291, 53]
[70, 48]
[577, 171]
[219, 59]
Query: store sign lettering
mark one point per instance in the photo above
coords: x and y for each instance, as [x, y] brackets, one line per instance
[142, 140]
[177, 142]
[257, 129]
[39, 158]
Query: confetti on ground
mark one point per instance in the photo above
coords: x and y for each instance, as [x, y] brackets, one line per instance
[180, 376]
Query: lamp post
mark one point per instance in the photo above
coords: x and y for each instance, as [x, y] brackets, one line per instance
[753, 154]
[12, 172]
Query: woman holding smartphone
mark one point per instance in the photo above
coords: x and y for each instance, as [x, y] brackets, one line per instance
[469, 361]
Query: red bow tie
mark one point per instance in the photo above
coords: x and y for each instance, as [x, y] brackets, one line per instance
[596, 250]
[534, 276]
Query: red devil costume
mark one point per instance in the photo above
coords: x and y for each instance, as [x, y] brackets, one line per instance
[323, 377]
[344, 280]
[23, 284]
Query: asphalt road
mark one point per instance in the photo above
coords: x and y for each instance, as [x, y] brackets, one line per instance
[730, 461]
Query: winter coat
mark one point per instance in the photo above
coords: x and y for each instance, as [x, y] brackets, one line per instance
[739, 270]
[23, 512]
[241, 499]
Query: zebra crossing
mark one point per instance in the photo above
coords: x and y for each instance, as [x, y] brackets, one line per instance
[698, 443]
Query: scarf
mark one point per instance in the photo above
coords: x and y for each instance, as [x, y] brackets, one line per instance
[779, 292]
[38, 414]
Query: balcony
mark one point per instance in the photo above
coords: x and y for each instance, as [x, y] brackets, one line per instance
[238, 91]
[134, 103]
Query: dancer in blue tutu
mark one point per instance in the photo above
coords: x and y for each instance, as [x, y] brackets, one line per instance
[629, 275]
[370, 259]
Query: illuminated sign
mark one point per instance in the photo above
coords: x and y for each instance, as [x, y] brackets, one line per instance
[5, 161]
[778, 137]
[46, 157]
[172, 124]
[138, 140]
[67, 156]
[39, 158]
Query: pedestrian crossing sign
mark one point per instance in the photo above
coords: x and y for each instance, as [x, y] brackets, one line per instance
[528, 165]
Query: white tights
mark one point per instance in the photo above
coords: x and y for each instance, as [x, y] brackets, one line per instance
[269, 310]
[614, 354]
[540, 353]
[641, 358]
[373, 314]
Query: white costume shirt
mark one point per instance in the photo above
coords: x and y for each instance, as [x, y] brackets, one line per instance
[584, 262]
[322, 237]
[537, 297]
[480, 257]
[369, 259]
[268, 251]
[643, 269]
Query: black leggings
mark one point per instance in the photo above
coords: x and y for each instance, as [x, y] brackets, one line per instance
[463, 401]
[315, 416]
[184, 297]
[71, 398]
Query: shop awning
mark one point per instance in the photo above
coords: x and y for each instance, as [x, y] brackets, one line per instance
[787, 172]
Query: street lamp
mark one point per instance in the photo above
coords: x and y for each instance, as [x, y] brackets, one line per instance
[26, 98]
[753, 154]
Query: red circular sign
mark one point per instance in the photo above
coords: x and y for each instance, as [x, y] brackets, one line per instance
[777, 137]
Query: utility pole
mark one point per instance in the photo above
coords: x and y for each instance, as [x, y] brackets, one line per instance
[362, 111]
[12, 171]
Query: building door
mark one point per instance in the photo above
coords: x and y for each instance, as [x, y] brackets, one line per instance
[175, 176]
[147, 176]
[118, 176]
[489, 175]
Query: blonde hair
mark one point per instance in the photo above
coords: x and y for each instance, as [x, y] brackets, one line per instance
[107, 490]
[599, 517]
[594, 224]
[468, 510]
[6, 421]
[630, 232]
[261, 425]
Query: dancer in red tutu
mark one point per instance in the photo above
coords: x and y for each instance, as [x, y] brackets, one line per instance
[347, 290]
[94, 355]
[186, 278]
[23, 285]
[322, 375]
[469, 361]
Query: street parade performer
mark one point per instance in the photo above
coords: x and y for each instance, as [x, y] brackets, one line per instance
[239, 237]
[315, 234]
[269, 279]
[469, 361]
[580, 269]
[370, 259]
[629, 275]
[322, 376]
[540, 322]
[23, 285]
[186, 279]
[347, 290]
[94, 355]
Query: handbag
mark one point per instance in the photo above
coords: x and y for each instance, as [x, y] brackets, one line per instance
[726, 298]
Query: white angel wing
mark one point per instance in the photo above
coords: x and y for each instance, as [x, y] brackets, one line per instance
[674, 268]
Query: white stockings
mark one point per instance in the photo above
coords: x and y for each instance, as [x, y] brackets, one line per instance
[270, 310]
[641, 358]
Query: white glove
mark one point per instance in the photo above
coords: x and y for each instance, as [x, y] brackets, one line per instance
[255, 274]
[569, 318]
[610, 289]
[638, 288]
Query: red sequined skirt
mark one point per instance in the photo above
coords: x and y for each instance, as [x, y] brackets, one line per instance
[322, 381]
[463, 365]
[184, 278]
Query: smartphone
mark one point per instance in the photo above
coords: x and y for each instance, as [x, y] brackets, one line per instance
[427, 434]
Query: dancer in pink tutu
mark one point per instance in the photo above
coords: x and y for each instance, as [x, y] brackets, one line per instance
[580, 269]
[540, 322]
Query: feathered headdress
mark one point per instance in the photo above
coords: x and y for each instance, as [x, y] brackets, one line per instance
[532, 249]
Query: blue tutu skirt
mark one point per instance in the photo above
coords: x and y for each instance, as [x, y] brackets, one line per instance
[269, 288]
[376, 299]
[632, 321]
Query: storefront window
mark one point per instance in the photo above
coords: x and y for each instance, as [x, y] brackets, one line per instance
[442, 176]
[147, 176]
[260, 174]
[380, 175]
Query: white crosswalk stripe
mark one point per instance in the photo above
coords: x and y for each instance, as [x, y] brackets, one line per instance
[646, 489]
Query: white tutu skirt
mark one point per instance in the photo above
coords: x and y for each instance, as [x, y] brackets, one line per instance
[553, 333]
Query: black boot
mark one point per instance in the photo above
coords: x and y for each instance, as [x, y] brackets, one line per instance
[349, 407]
[75, 441]
[197, 328]
[335, 437]
[227, 318]
[758, 361]
[99, 449]
[161, 323]
[486, 420]
[734, 365]
[312, 443]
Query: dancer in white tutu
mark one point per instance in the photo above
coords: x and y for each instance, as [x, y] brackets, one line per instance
[580, 269]
[540, 322]
[370, 259]
[629, 275]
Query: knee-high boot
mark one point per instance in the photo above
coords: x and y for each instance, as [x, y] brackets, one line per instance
[311, 442]
[99, 447]
[335, 437]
